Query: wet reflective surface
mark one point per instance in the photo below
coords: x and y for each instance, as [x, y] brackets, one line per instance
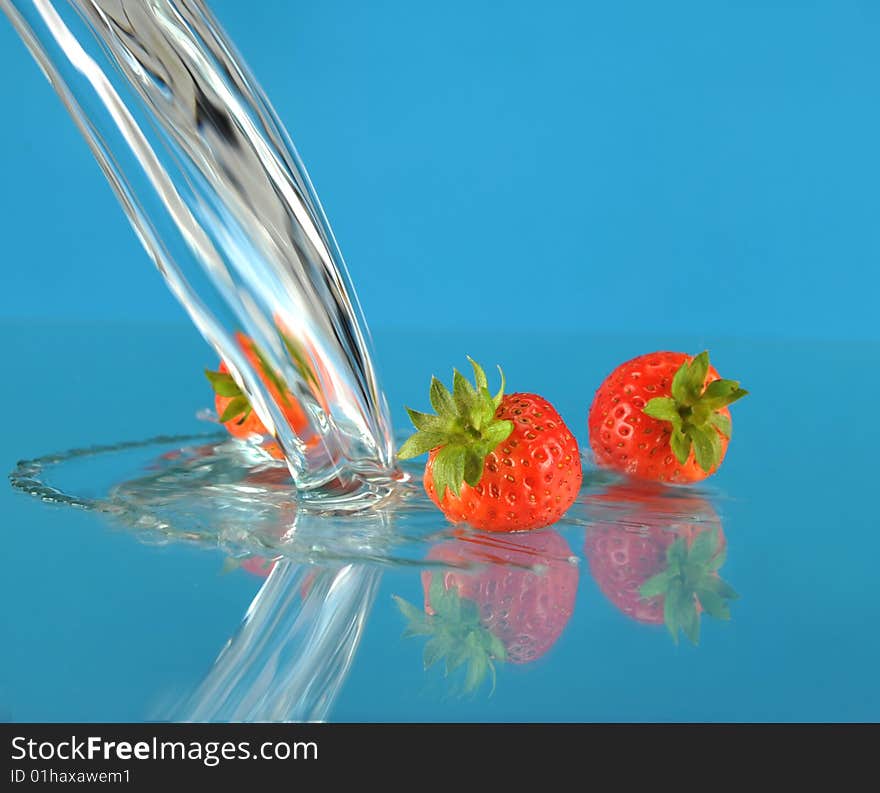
[204, 592]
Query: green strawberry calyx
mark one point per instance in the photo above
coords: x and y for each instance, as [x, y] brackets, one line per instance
[695, 412]
[239, 406]
[691, 578]
[464, 430]
[456, 635]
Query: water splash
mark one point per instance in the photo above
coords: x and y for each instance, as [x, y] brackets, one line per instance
[224, 207]
[219, 492]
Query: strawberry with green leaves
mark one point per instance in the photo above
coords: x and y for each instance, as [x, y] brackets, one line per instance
[656, 554]
[500, 463]
[500, 600]
[663, 417]
[232, 405]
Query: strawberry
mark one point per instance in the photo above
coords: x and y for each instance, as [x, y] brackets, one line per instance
[663, 417]
[658, 561]
[502, 463]
[503, 600]
[233, 406]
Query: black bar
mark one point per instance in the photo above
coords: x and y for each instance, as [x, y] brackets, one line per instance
[291, 754]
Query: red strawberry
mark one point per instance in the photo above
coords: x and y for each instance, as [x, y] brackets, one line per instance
[503, 463]
[656, 556]
[663, 417]
[510, 603]
[233, 407]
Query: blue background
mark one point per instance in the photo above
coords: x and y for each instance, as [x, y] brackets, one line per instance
[630, 167]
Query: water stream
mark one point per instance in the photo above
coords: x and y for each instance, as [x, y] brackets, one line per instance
[222, 204]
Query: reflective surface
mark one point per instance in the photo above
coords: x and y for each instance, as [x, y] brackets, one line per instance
[103, 622]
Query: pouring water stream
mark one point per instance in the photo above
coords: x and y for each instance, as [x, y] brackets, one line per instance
[224, 207]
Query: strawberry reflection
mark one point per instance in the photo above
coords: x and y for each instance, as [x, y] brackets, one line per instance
[259, 566]
[262, 567]
[656, 553]
[492, 600]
